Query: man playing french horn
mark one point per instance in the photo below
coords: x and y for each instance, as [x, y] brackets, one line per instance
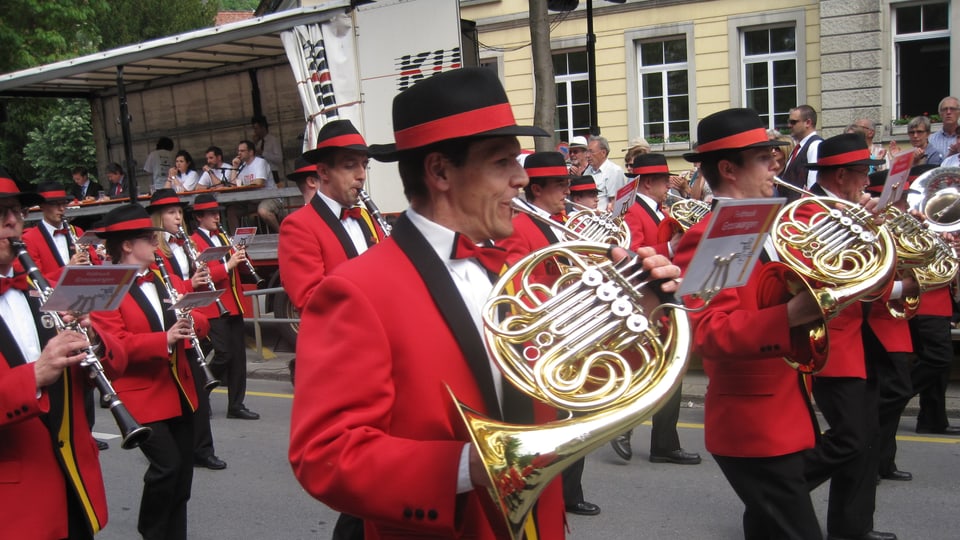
[757, 415]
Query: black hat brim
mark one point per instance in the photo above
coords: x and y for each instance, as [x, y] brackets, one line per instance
[388, 152]
[696, 157]
[26, 199]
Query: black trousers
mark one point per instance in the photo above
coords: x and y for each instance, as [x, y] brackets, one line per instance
[230, 361]
[663, 437]
[894, 390]
[202, 434]
[843, 455]
[168, 480]
[774, 491]
[931, 372]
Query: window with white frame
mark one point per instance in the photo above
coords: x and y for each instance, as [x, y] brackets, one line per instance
[768, 78]
[573, 94]
[664, 89]
[921, 44]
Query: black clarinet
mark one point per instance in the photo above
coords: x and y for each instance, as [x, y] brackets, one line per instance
[191, 252]
[250, 268]
[133, 433]
[375, 212]
[210, 382]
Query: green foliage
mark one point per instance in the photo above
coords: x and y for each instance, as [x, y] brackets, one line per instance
[34, 33]
[239, 5]
[64, 143]
[136, 21]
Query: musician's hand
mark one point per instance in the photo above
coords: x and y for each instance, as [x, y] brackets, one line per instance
[179, 331]
[63, 350]
[802, 309]
[659, 266]
[239, 257]
[909, 287]
[82, 256]
[200, 279]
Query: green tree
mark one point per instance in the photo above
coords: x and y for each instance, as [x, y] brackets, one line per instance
[64, 143]
[135, 21]
[239, 5]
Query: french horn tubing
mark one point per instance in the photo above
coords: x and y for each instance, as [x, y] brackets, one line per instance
[938, 198]
[591, 343]
[585, 225]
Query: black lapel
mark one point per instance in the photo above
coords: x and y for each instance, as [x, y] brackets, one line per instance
[11, 351]
[175, 266]
[147, 307]
[206, 237]
[643, 204]
[817, 190]
[333, 222]
[546, 230]
[448, 301]
[53, 245]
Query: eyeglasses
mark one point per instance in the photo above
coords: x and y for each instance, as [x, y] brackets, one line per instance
[862, 170]
[791, 122]
[18, 211]
[949, 109]
[916, 131]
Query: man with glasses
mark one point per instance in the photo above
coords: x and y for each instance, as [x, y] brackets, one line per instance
[945, 141]
[608, 175]
[803, 129]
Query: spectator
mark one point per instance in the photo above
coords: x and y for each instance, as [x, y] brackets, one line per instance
[945, 141]
[182, 176]
[85, 189]
[608, 175]
[119, 185]
[158, 163]
[268, 145]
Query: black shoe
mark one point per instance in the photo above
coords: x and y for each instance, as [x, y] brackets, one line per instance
[677, 456]
[583, 508]
[243, 414]
[946, 430]
[211, 462]
[872, 535]
[898, 475]
[621, 445]
[102, 445]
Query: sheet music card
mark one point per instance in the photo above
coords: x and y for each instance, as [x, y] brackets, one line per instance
[896, 178]
[626, 196]
[730, 246]
[244, 235]
[213, 253]
[90, 238]
[197, 299]
[83, 289]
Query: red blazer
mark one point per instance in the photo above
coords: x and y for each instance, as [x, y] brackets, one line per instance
[41, 248]
[312, 243]
[221, 279]
[893, 333]
[33, 475]
[388, 450]
[643, 228]
[154, 379]
[755, 405]
[937, 302]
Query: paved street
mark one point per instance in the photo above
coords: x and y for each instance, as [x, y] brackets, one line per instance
[257, 496]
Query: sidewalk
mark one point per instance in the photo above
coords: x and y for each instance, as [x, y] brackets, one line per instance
[274, 367]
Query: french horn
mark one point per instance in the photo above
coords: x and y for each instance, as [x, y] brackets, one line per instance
[597, 341]
[584, 225]
[937, 197]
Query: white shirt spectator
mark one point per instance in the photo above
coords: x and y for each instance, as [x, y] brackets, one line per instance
[609, 180]
[257, 169]
[158, 164]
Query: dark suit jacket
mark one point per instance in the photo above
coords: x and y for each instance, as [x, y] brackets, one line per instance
[124, 189]
[93, 190]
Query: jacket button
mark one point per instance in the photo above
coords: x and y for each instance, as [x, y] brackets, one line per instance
[10, 415]
[61, 444]
[24, 408]
[432, 515]
[419, 514]
[407, 513]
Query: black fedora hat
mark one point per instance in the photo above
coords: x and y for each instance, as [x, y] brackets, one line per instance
[336, 134]
[466, 102]
[205, 202]
[581, 184]
[730, 129]
[162, 198]
[879, 178]
[843, 151]
[546, 165]
[53, 192]
[10, 190]
[124, 220]
[303, 169]
[648, 164]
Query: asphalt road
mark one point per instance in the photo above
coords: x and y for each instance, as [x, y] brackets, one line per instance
[257, 497]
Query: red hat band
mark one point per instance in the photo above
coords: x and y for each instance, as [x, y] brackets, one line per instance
[206, 206]
[544, 172]
[737, 140]
[165, 201]
[130, 225]
[349, 139]
[844, 158]
[651, 169]
[458, 125]
[53, 194]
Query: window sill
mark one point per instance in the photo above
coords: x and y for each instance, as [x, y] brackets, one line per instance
[670, 148]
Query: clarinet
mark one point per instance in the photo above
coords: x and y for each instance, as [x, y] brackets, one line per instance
[211, 382]
[77, 246]
[133, 433]
[192, 254]
[375, 212]
[250, 268]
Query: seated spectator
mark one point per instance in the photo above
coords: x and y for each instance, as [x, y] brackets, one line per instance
[119, 185]
[85, 189]
[252, 170]
[182, 176]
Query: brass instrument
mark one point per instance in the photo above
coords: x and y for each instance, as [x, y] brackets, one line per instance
[250, 269]
[587, 225]
[132, 432]
[687, 212]
[192, 254]
[375, 212]
[837, 252]
[589, 343]
[210, 382]
[938, 198]
[75, 242]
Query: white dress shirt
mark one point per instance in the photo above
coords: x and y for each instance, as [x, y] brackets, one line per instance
[353, 228]
[59, 240]
[14, 309]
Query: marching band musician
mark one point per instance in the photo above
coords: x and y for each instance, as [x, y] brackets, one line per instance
[757, 414]
[51, 486]
[383, 443]
[331, 227]
[226, 331]
[166, 213]
[845, 390]
[49, 243]
[583, 191]
[157, 385]
[644, 217]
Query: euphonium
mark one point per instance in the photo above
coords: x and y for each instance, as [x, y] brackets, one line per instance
[585, 225]
[132, 432]
[589, 343]
[834, 249]
[916, 248]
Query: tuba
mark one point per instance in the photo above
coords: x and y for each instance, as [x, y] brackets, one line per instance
[836, 250]
[590, 343]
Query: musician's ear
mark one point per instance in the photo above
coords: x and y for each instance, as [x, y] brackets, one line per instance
[436, 168]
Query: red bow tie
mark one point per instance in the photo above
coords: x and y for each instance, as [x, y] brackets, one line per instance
[353, 212]
[146, 278]
[491, 258]
[18, 281]
[559, 217]
[63, 231]
[175, 240]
